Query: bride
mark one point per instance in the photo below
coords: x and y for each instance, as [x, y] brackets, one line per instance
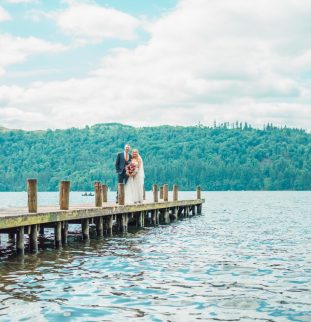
[134, 187]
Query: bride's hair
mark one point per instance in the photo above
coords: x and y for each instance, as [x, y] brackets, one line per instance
[138, 155]
[135, 150]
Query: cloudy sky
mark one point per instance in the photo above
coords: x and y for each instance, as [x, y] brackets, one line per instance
[67, 63]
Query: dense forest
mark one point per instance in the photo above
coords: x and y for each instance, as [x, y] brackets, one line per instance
[221, 157]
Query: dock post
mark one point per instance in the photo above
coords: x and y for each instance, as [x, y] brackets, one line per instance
[105, 192]
[86, 228]
[64, 189]
[58, 234]
[175, 192]
[154, 217]
[174, 213]
[198, 192]
[33, 239]
[109, 225]
[121, 196]
[32, 195]
[20, 240]
[124, 222]
[165, 192]
[98, 194]
[100, 226]
[64, 232]
[166, 216]
[141, 219]
[155, 193]
[161, 192]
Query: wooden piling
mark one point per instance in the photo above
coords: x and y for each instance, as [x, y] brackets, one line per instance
[124, 222]
[109, 225]
[154, 216]
[140, 219]
[174, 213]
[105, 193]
[33, 239]
[64, 232]
[198, 192]
[32, 195]
[20, 240]
[98, 194]
[175, 192]
[58, 234]
[155, 193]
[85, 228]
[121, 195]
[100, 226]
[165, 192]
[161, 192]
[64, 189]
[166, 216]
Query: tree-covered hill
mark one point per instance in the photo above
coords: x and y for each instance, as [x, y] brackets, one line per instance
[217, 158]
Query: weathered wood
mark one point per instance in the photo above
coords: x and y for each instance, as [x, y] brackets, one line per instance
[166, 216]
[64, 232]
[124, 222]
[175, 192]
[121, 195]
[98, 194]
[32, 195]
[33, 239]
[20, 240]
[174, 213]
[165, 192]
[105, 192]
[154, 217]
[58, 234]
[100, 226]
[198, 192]
[155, 193]
[50, 214]
[109, 225]
[161, 192]
[85, 225]
[140, 219]
[64, 188]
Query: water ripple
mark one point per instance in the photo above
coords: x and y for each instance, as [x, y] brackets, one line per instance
[247, 258]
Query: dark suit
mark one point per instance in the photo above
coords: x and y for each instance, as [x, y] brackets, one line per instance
[120, 167]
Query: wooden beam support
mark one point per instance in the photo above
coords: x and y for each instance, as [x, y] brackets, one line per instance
[32, 195]
[64, 189]
[98, 194]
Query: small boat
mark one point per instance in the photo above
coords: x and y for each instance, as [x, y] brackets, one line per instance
[85, 194]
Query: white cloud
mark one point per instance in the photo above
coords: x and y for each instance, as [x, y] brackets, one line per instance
[219, 59]
[17, 49]
[89, 22]
[21, 1]
[4, 15]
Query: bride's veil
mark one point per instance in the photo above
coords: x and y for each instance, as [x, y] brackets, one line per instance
[141, 171]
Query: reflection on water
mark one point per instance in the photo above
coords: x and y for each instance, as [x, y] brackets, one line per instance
[246, 258]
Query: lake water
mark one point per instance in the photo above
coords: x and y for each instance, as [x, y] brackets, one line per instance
[246, 258]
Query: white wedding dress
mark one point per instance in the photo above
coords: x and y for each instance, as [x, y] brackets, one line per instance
[134, 187]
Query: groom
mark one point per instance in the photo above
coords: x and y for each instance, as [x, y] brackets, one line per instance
[123, 159]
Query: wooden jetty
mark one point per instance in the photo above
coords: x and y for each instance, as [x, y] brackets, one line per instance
[106, 217]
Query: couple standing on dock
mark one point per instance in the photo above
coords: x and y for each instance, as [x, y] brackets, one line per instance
[130, 170]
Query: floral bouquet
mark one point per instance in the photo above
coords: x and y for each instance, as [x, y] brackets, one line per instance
[131, 169]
